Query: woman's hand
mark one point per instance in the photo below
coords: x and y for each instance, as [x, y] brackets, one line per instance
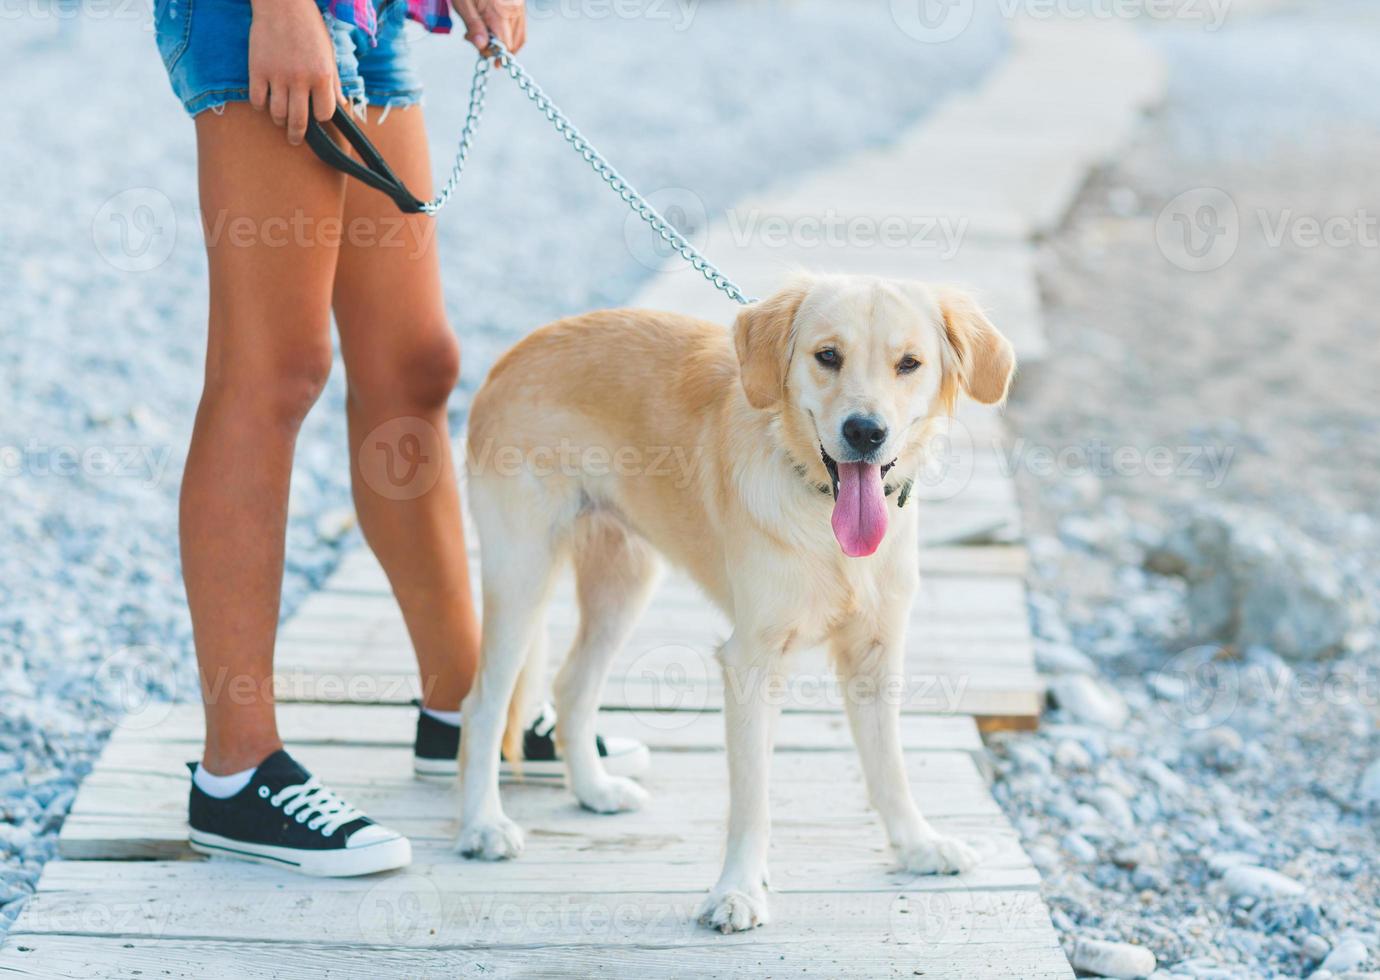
[506, 19]
[292, 64]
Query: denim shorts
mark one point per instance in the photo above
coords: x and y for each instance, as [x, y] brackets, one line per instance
[205, 48]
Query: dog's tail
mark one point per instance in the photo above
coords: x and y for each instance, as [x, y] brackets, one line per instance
[521, 706]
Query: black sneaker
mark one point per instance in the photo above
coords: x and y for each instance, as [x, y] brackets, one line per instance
[286, 817]
[438, 748]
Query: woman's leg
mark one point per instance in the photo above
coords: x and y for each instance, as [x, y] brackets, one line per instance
[402, 360]
[268, 355]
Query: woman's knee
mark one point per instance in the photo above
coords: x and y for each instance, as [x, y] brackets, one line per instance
[419, 373]
[276, 388]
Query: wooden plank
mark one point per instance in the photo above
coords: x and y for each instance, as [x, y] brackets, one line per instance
[946, 596]
[831, 864]
[421, 910]
[969, 649]
[134, 802]
[994, 952]
[377, 725]
[359, 572]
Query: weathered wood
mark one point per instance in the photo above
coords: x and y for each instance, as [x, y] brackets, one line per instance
[421, 910]
[372, 725]
[968, 651]
[996, 952]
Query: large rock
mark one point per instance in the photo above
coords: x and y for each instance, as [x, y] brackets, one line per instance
[1255, 581]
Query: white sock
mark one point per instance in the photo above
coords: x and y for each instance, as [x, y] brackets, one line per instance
[451, 718]
[222, 787]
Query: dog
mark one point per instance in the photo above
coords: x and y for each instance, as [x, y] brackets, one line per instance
[798, 439]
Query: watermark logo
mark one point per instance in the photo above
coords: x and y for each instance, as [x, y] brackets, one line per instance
[940, 235]
[402, 459]
[146, 463]
[932, 21]
[1199, 688]
[679, 14]
[946, 468]
[667, 687]
[1199, 230]
[136, 230]
[126, 686]
[1209, 464]
[402, 910]
[686, 213]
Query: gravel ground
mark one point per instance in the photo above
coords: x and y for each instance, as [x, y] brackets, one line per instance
[101, 347]
[1200, 793]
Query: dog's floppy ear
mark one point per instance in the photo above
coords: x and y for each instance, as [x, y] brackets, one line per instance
[762, 336]
[986, 359]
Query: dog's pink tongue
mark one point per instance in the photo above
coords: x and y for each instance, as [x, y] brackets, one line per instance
[860, 511]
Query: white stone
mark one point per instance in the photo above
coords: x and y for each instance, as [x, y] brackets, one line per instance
[1069, 754]
[1251, 880]
[1062, 658]
[1089, 700]
[1119, 960]
[1347, 956]
[1079, 848]
[1368, 788]
[1113, 807]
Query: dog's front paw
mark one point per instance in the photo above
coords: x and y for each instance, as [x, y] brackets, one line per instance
[938, 856]
[495, 841]
[734, 909]
[615, 794]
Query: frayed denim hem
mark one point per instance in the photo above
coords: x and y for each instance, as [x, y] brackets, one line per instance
[215, 100]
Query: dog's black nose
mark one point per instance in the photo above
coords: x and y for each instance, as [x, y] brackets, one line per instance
[864, 433]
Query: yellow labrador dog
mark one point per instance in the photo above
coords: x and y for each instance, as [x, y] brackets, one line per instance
[793, 446]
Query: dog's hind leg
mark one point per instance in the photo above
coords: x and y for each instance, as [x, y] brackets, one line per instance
[519, 561]
[615, 572]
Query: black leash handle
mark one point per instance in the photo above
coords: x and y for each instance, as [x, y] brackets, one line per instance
[374, 171]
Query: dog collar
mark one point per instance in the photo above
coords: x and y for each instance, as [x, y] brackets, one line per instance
[902, 487]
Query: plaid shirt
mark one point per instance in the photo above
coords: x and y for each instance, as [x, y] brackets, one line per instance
[434, 15]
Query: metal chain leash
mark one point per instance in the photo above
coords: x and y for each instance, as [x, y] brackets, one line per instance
[629, 194]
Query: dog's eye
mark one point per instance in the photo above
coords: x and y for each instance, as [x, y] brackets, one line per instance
[828, 357]
[907, 364]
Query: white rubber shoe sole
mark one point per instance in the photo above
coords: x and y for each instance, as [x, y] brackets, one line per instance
[342, 862]
[626, 758]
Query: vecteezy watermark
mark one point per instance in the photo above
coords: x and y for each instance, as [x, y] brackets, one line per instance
[830, 229]
[135, 230]
[130, 687]
[1198, 231]
[678, 14]
[1209, 14]
[684, 210]
[932, 21]
[34, 459]
[937, 21]
[680, 464]
[85, 9]
[1358, 229]
[403, 458]
[1207, 463]
[1201, 229]
[1203, 687]
[668, 686]
[302, 230]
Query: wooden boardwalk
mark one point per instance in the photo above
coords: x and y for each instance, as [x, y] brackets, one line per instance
[615, 895]
[593, 895]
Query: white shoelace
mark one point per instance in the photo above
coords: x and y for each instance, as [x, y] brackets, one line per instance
[546, 721]
[316, 806]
